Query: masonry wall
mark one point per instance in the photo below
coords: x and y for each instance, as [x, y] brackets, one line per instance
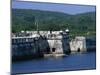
[78, 45]
[55, 46]
[59, 43]
[55, 43]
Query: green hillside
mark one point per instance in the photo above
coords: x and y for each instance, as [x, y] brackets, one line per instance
[80, 24]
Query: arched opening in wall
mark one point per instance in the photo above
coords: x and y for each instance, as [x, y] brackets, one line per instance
[78, 50]
[53, 49]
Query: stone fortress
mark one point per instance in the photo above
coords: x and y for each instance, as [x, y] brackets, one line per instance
[46, 43]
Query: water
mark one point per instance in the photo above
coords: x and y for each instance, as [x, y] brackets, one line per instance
[68, 63]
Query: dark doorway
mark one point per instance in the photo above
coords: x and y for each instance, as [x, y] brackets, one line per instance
[78, 49]
[53, 49]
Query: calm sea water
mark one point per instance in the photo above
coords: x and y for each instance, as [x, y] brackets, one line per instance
[68, 63]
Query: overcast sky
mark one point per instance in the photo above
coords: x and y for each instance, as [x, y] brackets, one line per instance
[66, 8]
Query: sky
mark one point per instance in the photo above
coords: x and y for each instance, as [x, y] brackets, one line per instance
[65, 8]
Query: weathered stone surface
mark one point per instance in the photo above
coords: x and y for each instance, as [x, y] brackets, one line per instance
[78, 44]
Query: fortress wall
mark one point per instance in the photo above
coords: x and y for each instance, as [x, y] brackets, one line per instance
[52, 43]
[55, 46]
[78, 44]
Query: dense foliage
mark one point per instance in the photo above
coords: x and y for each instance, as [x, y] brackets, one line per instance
[79, 24]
